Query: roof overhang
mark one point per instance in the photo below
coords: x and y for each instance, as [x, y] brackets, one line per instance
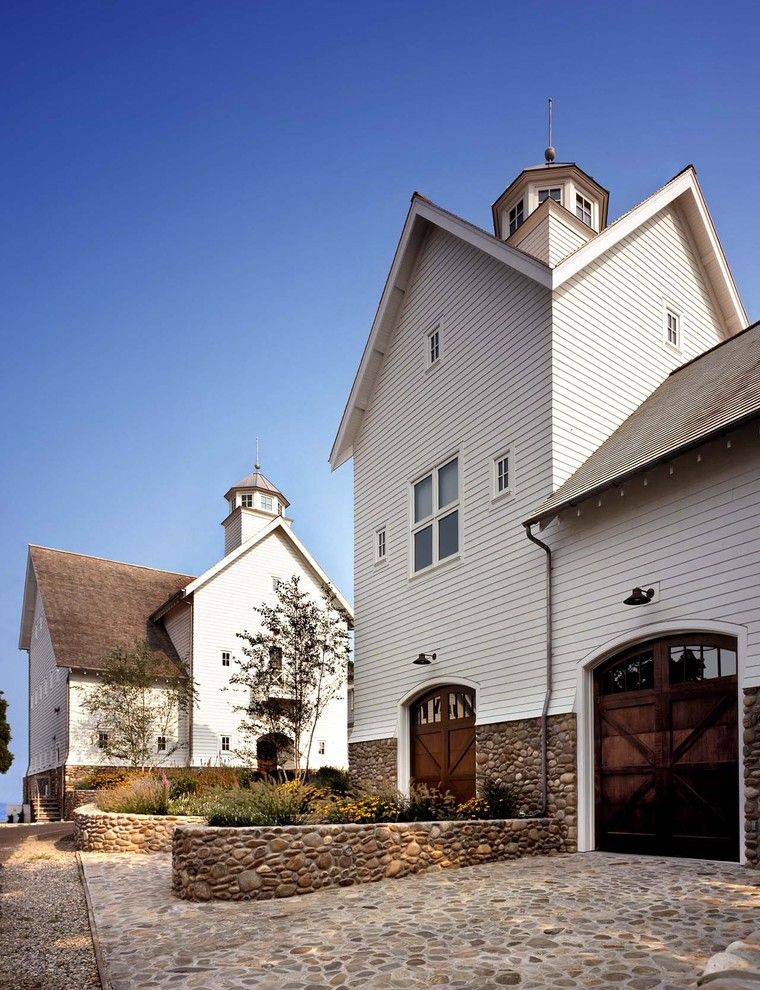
[27, 608]
[682, 189]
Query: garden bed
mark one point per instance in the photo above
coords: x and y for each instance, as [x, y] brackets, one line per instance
[108, 831]
[239, 864]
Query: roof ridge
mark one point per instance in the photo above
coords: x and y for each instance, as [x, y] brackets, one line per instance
[109, 560]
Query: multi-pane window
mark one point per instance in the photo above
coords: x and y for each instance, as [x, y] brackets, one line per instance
[435, 516]
[246, 500]
[266, 503]
[434, 347]
[583, 209]
[321, 747]
[700, 662]
[275, 660]
[632, 674]
[225, 744]
[502, 480]
[225, 658]
[555, 194]
[672, 328]
[102, 740]
[516, 217]
[161, 744]
[380, 545]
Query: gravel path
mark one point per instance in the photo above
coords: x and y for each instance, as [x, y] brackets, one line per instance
[44, 932]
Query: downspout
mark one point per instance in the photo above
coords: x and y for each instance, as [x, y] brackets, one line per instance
[548, 693]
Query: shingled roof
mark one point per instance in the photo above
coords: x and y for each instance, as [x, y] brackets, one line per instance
[261, 482]
[705, 397]
[92, 605]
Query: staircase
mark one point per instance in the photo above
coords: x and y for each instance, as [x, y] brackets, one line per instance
[45, 810]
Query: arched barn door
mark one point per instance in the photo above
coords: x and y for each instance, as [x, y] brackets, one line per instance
[443, 740]
[666, 749]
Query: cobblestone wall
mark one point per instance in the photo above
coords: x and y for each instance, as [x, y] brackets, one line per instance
[240, 864]
[106, 831]
[511, 751]
[76, 799]
[752, 775]
[372, 764]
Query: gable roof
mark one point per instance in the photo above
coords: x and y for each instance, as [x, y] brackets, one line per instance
[276, 525]
[92, 605]
[423, 214]
[717, 391]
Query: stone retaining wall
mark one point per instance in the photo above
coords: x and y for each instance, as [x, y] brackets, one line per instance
[107, 831]
[240, 864]
[372, 764]
[76, 799]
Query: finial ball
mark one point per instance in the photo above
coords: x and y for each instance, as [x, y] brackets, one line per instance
[550, 154]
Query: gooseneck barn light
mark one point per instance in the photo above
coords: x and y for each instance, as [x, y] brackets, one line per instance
[424, 659]
[640, 596]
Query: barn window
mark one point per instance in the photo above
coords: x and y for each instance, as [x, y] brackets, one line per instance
[632, 674]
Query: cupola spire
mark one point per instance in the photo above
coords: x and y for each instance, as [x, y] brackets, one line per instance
[550, 154]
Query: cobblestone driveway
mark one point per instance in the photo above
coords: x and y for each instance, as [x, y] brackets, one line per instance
[593, 920]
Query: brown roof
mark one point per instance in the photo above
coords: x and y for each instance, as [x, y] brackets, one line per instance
[92, 605]
[707, 396]
[259, 481]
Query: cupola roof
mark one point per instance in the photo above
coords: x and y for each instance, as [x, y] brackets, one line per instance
[258, 482]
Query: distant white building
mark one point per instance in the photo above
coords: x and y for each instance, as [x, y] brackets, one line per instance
[76, 608]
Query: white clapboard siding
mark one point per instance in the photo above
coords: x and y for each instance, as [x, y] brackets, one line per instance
[609, 353]
[224, 607]
[537, 241]
[481, 614]
[47, 686]
[83, 726]
[692, 534]
[563, 240]
[178, 623]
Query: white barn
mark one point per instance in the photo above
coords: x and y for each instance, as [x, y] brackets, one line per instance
[76, 608]
[496, 366]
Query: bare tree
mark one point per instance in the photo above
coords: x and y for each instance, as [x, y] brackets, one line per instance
[293, 667]
[135, 710]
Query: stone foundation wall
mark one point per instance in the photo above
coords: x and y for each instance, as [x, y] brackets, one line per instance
[752, 775]
[372, 764]
[511, 751]
[74, 800]
[107, 831]
[241, 864]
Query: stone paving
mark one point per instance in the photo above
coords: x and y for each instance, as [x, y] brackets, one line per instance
[593, 920]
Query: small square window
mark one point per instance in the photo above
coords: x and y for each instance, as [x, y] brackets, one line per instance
[555, 194]
[225, 744]
[266, 503]
[246, 500]
[161, 744]
[583, 209]
[225, 658]
[516, 217]
[321, 747]
[380, 545]
[502, 474]
[673, 329]
[102, 740]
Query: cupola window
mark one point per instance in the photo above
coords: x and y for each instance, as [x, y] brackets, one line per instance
[555, 194]
[246, 500]
[266, 503]
[583, 209]
[516, 217]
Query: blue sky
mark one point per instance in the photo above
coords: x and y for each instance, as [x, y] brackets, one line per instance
[200, 202]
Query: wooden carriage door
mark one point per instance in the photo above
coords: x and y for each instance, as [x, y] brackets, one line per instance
[667, 759]
[443, 740]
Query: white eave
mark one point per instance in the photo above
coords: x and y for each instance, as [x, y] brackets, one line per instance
[287, 532]
[684, 187]
[27, 609]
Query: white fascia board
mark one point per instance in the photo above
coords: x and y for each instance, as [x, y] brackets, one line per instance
[421, 213]
[685, 184]
[276, 524]
[27, 609]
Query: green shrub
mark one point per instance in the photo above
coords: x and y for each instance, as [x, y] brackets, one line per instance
[501, 798]
[181, 784]
[141, 796]
[332, 779]
[264, 803]
[427, 805]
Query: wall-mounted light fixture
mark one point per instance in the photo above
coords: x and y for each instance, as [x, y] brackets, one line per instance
[640, 596]
[424, 659]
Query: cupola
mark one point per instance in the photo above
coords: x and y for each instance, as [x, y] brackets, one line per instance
[253, 503]
[551, 210]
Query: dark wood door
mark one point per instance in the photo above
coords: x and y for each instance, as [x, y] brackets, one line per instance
[443, 740]
[667, 756]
